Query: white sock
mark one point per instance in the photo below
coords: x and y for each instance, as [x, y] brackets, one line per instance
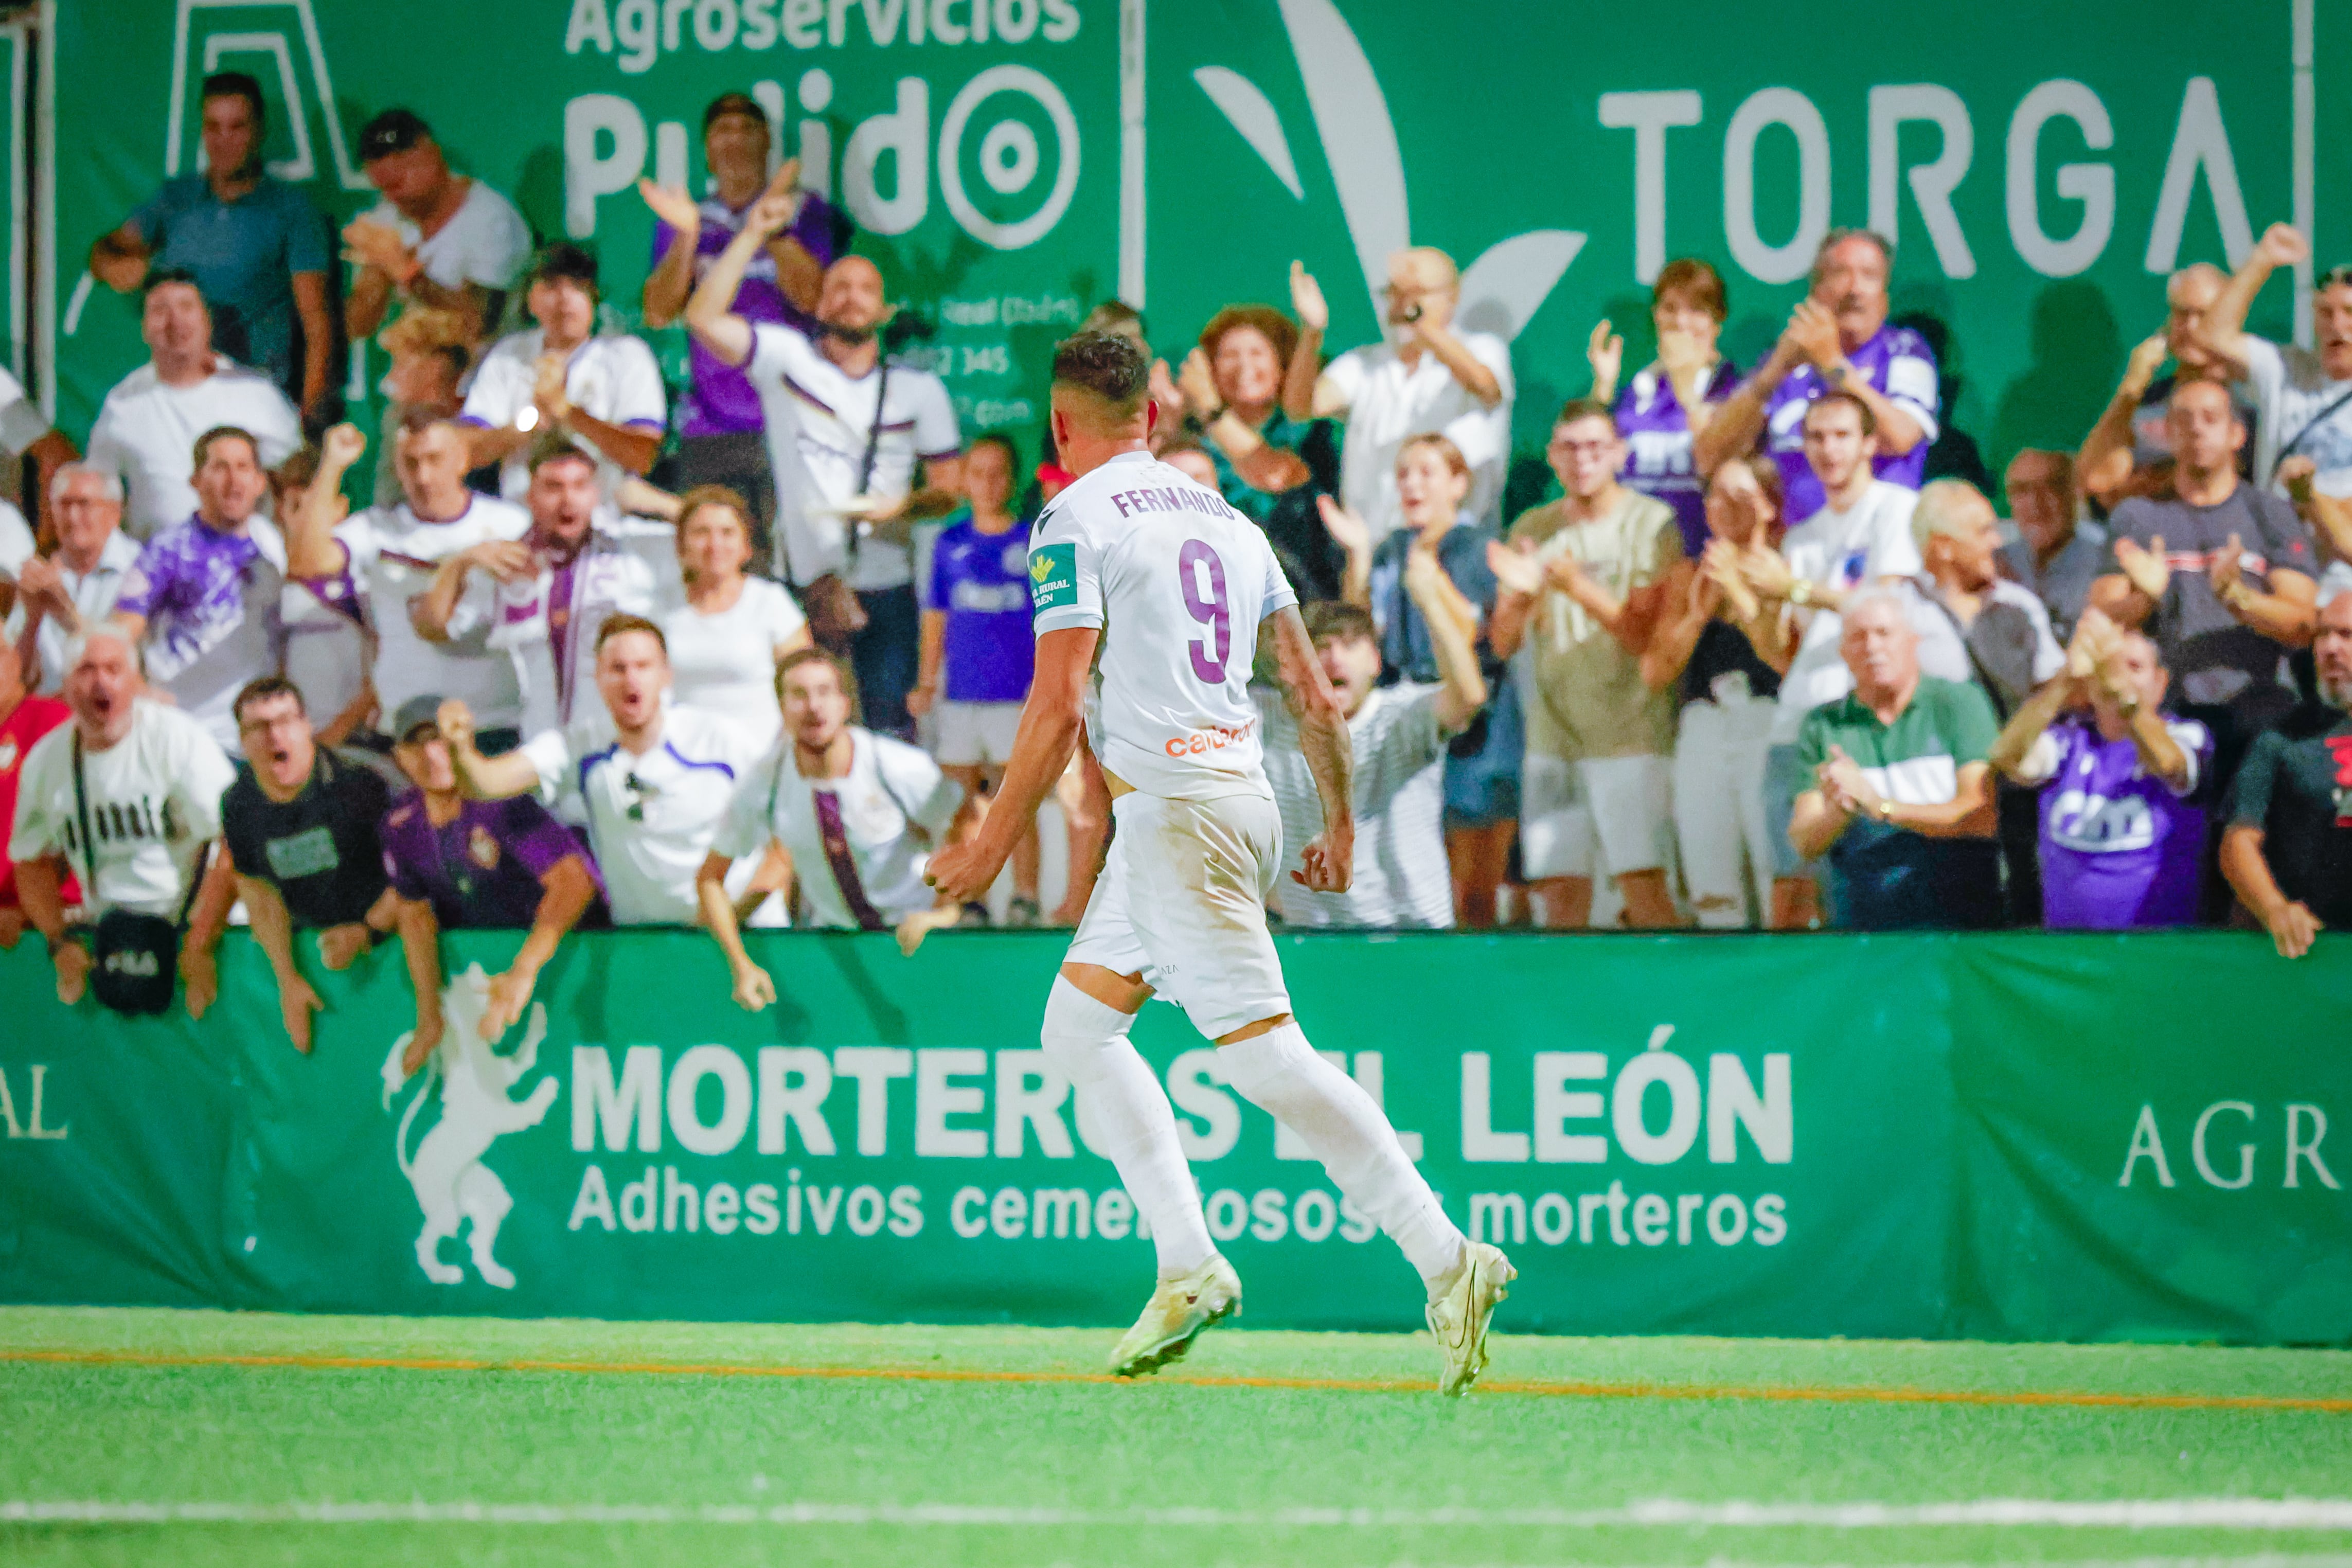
[1279, 1073]
[1121, 1095]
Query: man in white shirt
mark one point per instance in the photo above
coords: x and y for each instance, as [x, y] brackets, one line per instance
[151, 787]
[393, 554]
[859, 813]
[1862, 533]
[1424, 379]
[652, 782]
[564, 380]
[553, 591]
[847, 432]
[2303, 397]
[204, 595]
[75, 588]
[1152, 590]
[146, 429]
[1397, 735]
[437, 240]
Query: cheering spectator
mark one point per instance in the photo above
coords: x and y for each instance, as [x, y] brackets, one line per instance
[298, 828]
[1270, 467]
[730, 638]
[1900, 798]
[857, 813]
[1973, 623]
[2287, 850]
[1580, 587]
[125, 799]
[24, 719]
[255, 246]
[719, 437]
[565, 380]
[1728, 692]
[978, 651]
[553, 590]
[1671, 399]
[393, 554]
[2129, 451]
[473, 865]
[1838, 340]
[1862, 533]
[846, 431]
[1398, 735]
[148, 425]
[2056, 554]
[2122, 844]
[652, 782]
[74, 587]
[2303, 397]
[25, 432]
[204, 595]
[328, 645]
[2218, 572]
[1422, 379]
[437, 240]
[432, 354]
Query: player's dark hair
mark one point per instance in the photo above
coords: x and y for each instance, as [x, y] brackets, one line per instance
[622, 624]
[1329, 620]
[261, 689]
[1105, 365]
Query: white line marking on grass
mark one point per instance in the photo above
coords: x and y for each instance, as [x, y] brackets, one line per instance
[2174, 1513]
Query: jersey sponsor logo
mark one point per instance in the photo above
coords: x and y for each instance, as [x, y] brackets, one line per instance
[1215, 738]
[1053, 577]
[2094, 823]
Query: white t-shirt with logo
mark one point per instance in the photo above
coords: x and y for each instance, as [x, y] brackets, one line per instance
[819, 422]
[1389, 402]
[485, 242]
[613, 378]
[1840, 550]
[1178, 581]
[725, 663]
[891, 789]
[2292, 394]
[146, 435]
[393, 557]
[652, 819]
[155, 801]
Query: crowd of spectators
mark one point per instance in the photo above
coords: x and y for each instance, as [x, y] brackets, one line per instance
[593, 649]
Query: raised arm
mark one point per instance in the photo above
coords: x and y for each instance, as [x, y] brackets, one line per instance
[2030, 723]
[1740, 420]
[1476, 378]
[672, 279]
[1462, 690]
[484, 778]
[710, 310]
[312, 551]
[2104, 466]
[1314, 315]
[2223, 324]
[1328, 863]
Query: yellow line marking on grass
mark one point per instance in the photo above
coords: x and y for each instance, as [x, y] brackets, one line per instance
[1567, 1389]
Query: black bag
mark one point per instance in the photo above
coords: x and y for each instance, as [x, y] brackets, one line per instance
[136, 966]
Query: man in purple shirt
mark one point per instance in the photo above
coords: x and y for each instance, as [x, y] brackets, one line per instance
[2122, 844]
[720, 436]
[473, 865]
[1837, 337]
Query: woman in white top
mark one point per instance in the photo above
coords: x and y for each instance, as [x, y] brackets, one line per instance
[726, 640]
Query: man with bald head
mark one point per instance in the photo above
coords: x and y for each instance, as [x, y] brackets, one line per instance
[2129, 450]
[847, 432]
[1425, 377]
[2056, 554]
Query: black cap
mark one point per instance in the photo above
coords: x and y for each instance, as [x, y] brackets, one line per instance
[394, 131]
[734, 103]
[416, 713]
[564, 259]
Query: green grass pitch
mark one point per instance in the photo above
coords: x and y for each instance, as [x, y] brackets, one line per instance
[199, 1438]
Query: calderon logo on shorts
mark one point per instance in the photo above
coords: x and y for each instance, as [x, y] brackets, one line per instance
[1215, 738]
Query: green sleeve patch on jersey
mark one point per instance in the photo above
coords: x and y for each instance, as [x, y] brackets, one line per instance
[1053, 578]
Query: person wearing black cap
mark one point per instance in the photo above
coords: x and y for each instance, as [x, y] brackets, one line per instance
[721, 433]
[255, 244]
[564, 380]
[437, 238]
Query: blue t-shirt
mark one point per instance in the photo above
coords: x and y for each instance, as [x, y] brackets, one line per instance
[243, 254]
[982, 581]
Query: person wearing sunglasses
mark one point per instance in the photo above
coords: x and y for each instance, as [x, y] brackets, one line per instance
[652, 782]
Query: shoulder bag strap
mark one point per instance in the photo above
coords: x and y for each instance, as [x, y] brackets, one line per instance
[2286, 448]
[873, 444]
[81, 812]
[1976, 665]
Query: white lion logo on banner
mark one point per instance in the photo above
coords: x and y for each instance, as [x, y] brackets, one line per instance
[476, 1109]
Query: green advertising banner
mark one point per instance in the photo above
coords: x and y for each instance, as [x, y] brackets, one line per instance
[1011, 163]
[2030, 1137]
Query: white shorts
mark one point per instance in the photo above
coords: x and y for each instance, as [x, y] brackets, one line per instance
[1598, 816]
[1181, 901]
[974, 734]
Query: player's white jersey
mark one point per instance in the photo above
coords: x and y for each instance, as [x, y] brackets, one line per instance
[1178, 581]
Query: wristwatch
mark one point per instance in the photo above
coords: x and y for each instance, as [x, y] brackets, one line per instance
[1800, 593]
[1886, 812]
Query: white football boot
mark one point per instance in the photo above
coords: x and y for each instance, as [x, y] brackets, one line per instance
[1179, 1310]
[1461, 1305]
